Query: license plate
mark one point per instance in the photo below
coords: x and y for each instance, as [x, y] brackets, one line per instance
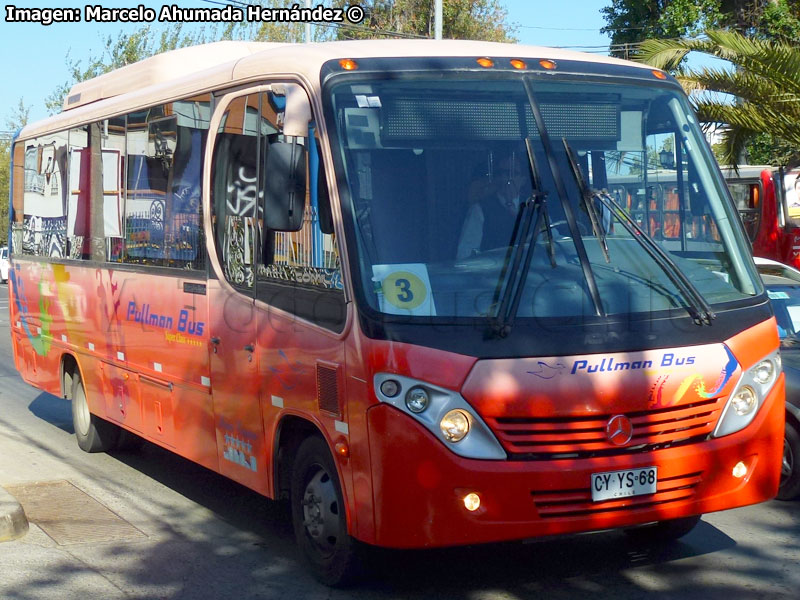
[622, 484]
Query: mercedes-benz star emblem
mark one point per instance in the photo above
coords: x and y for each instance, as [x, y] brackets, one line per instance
[619, 430]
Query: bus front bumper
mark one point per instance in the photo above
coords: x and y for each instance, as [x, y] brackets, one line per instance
[419, 486]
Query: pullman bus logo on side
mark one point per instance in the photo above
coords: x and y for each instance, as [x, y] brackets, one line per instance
[145, 316]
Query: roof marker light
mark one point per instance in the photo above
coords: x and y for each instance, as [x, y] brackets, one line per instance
[518, 64]
[348, 64]
[548, 64]
[485, 62]
[659, 74]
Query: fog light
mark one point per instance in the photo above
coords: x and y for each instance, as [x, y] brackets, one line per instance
[740, 470]
[744, 401]
[455, 426]
[764, 372]
[417, 399]
[472, 502]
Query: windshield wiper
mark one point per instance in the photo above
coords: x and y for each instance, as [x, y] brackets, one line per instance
[702, 312]
[697, 306]
[523, 242]
[569, 216]
[588, 201]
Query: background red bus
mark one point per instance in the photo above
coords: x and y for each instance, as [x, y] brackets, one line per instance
[769, 208]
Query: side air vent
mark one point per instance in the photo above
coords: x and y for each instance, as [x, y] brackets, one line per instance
[328, 388]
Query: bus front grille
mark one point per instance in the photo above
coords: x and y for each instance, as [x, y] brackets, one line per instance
[533, 438]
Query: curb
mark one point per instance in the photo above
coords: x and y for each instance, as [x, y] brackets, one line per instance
[13, 522]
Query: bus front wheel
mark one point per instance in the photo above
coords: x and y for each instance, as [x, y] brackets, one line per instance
[790, 467]
[93, 433]
[319, 516]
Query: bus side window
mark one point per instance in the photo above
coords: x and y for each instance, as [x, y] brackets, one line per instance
[163, 212]
[746, 199]
[151, 147]
[45, 190]
[113, 177]
[80, 190]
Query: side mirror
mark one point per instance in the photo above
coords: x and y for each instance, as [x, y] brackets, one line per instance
[285, 186]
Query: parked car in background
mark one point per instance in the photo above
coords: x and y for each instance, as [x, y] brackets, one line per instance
[783, 287]
[4, 264]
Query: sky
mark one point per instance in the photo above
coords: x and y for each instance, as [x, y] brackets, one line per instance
[34, 55]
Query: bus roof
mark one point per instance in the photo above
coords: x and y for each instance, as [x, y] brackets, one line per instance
[158, 69]
[197, 69]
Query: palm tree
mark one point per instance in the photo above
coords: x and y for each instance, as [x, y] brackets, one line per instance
[759, 93]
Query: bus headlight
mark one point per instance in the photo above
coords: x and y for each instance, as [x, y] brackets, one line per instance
[443, 412]
[744, 401]
[764, 372]
[417, 399]
[749, 394]
[455, 426]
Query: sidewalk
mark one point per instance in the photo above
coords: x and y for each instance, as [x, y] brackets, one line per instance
[13, 522]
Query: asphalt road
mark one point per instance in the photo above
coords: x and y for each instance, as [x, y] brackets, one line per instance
[149, 524]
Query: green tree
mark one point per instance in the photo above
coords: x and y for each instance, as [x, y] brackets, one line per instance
[15, 120]
[5, 162]
[461, 19]
[124, 49]
[267, 31]
[757, 95]
[630, 22]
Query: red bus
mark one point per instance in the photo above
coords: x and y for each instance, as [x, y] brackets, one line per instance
[768, 205]
[399, 284]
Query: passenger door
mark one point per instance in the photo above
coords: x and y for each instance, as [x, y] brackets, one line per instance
[300, 299]
[234, 376]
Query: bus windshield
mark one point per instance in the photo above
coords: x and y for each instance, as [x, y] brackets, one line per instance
[440, 170]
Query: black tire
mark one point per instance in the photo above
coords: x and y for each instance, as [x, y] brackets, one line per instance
[93, 433]
[790, 466]
[319, 516]
[663, 531]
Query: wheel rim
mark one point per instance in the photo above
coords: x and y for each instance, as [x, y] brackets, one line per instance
[321, 514]
[82, 416]
[787, 465]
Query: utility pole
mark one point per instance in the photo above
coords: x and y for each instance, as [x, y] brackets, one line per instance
[308, 24]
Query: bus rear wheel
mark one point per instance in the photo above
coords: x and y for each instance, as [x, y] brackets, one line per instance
[663, 531]
[319, 516]
[93, 433]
